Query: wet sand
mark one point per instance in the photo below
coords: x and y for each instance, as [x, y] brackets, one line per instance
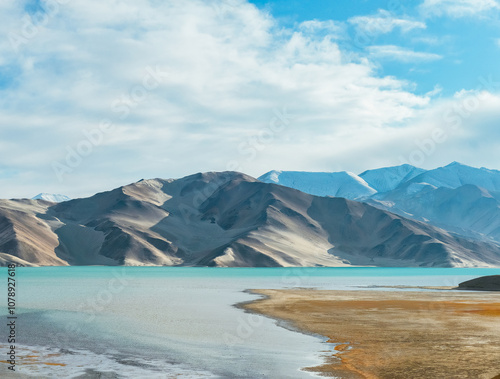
[395, 334]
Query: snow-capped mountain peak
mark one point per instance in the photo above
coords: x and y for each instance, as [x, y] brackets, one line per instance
[271, 176]
[457, 174]
[388, 178]
[54, 198]
[338, 184]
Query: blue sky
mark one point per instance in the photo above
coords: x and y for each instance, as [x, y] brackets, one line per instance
[467, 42]
[97, 94]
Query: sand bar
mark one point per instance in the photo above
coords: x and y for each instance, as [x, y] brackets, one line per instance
[395, 334]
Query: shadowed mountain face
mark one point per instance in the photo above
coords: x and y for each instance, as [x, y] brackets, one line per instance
[459, 198]
[467, 210]
[224, 219]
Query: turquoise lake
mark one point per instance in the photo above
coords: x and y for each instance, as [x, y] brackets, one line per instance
[222, 272]
[158, 322]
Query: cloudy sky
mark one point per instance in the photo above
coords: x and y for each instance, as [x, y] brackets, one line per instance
[95, 94]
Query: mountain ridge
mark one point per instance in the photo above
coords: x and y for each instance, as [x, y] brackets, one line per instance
[225, 219]
[459, 198]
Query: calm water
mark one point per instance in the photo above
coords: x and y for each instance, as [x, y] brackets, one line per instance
[157, 322]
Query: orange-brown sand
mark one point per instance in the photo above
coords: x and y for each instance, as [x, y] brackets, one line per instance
[396, 334]
[26, 357]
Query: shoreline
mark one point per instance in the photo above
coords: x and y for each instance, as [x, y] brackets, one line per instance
[392, 334]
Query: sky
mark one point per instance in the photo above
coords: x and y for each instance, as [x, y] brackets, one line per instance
[99, 94]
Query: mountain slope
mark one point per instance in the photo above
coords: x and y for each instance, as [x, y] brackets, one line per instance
[338, 184]
[468, 210]
[25, 236]
[456, 175]
[389, 178]
[456, 197]
[224, 219]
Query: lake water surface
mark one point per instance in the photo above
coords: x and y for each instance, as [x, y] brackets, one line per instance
[159, 322]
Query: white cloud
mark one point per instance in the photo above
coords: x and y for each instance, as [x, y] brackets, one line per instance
[401, 54]
[315, 26]
[435, 91]
[432, 40]
[384, 22]
[228, 70]
[466, 124]
[457, 8]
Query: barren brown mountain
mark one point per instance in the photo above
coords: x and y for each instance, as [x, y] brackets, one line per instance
[224, 219]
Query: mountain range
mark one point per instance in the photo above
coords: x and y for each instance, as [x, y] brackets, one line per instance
[229, 219]
[459, 198]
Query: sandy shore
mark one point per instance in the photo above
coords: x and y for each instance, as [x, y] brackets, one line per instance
[395, 334]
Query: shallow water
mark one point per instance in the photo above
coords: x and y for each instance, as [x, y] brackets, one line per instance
[163, 321]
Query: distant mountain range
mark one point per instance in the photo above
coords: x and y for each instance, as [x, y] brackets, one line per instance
[231, 219]
[456, 197]
[336, 184]
[51, 197]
